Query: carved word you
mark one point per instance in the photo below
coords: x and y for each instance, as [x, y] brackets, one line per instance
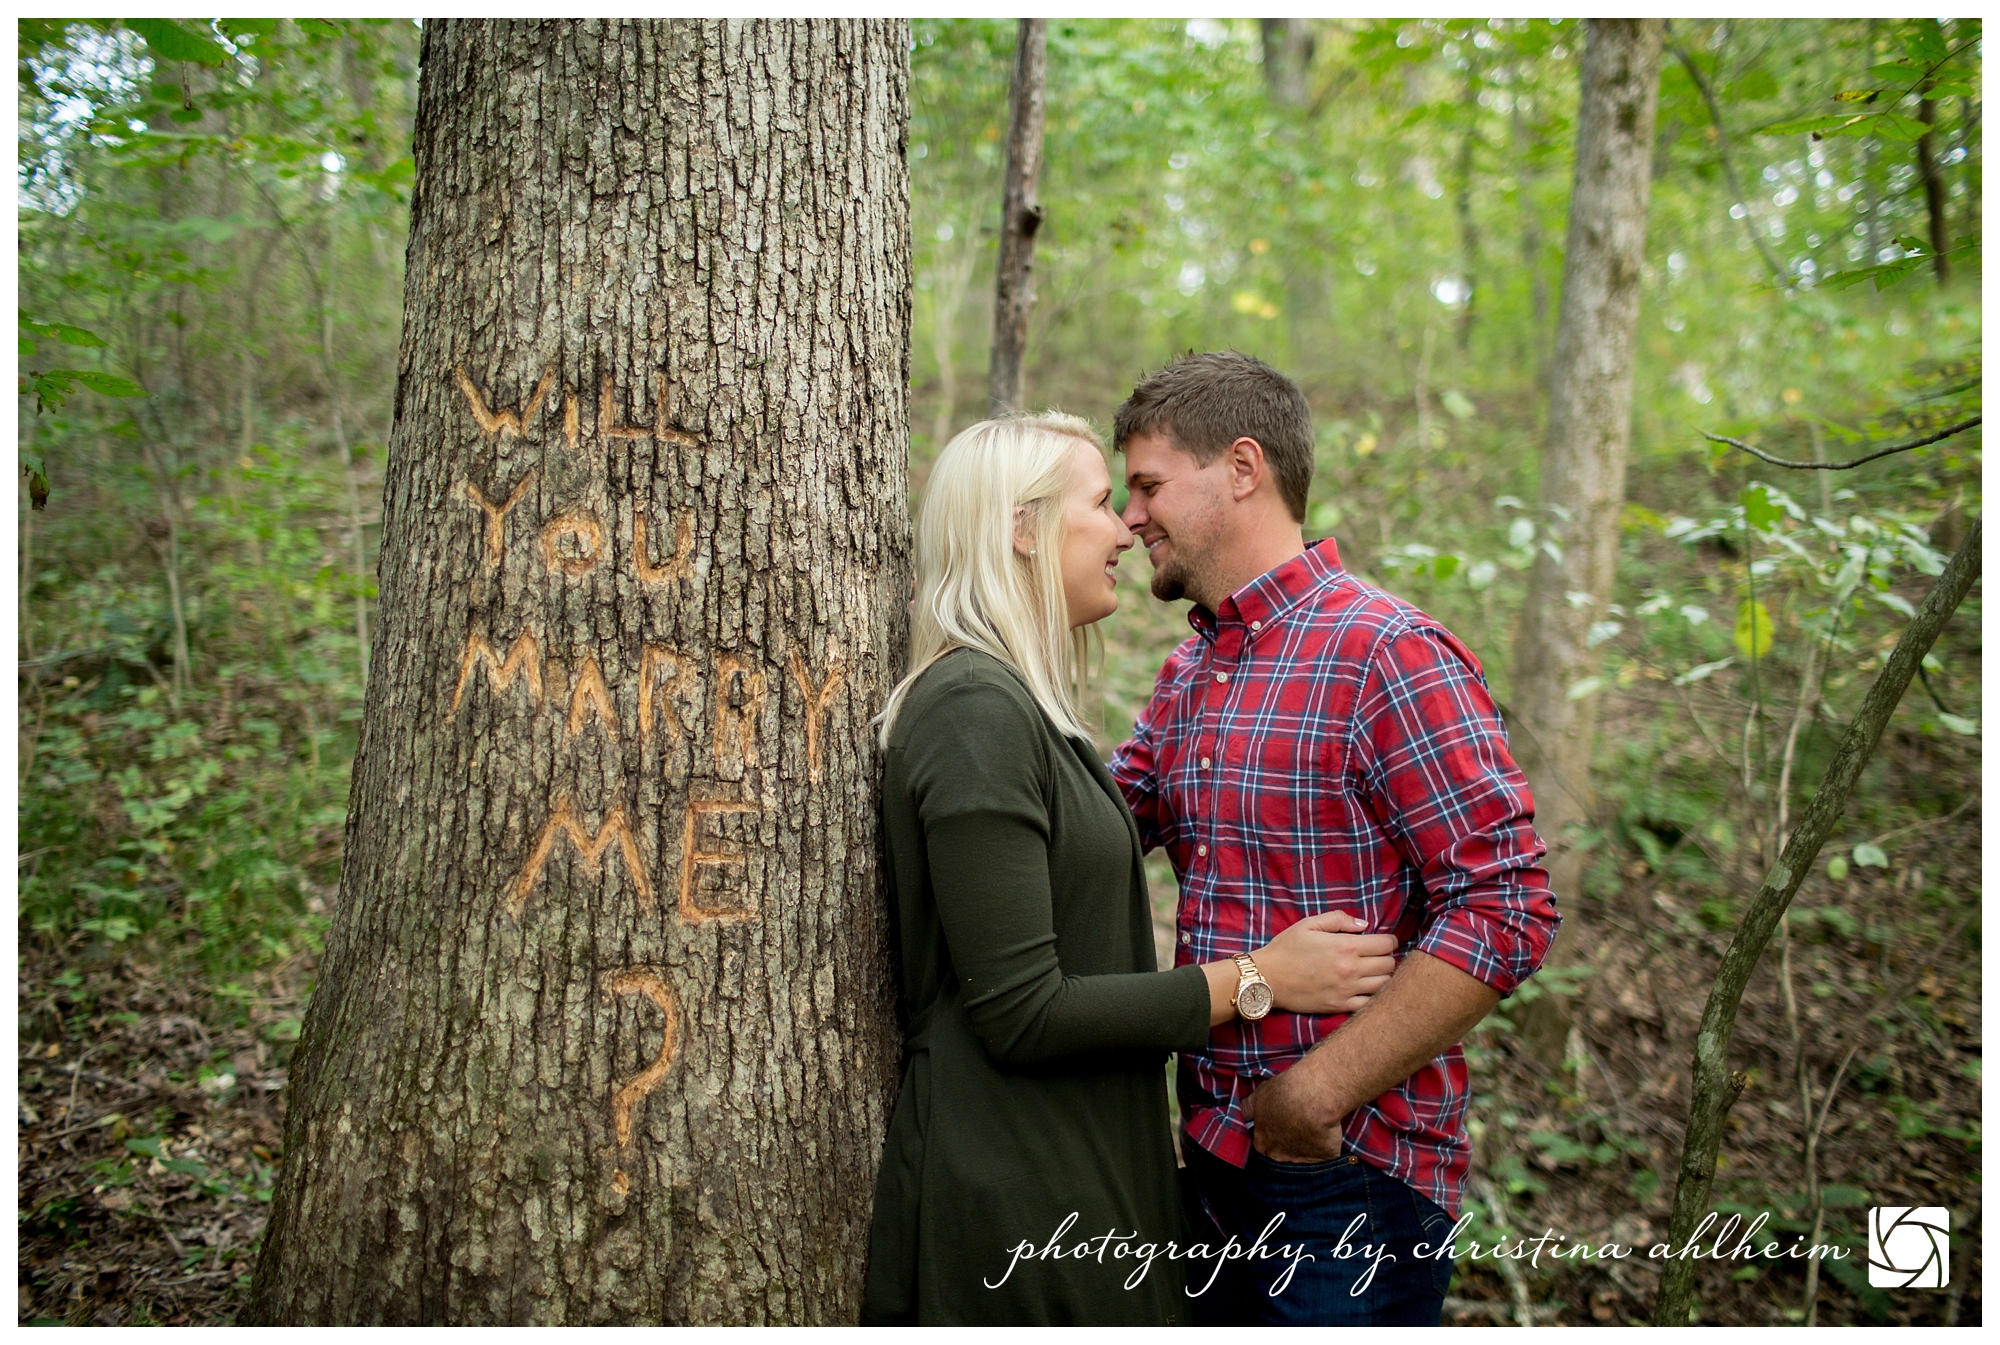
[572, 544]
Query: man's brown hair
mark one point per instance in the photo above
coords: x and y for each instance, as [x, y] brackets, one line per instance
[1206, 402]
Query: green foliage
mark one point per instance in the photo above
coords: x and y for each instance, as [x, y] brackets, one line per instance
[190, 674]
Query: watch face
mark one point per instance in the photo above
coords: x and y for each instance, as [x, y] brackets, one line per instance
[1254, 1000]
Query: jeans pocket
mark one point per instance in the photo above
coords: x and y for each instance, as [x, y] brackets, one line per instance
[1323, 1165]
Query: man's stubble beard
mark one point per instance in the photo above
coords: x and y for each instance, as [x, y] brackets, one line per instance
[1187, 573]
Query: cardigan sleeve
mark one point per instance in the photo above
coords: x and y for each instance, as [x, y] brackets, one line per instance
[979, 768]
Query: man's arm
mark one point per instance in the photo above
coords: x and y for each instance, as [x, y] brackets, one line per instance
[1434, 765]
[1426, 1007]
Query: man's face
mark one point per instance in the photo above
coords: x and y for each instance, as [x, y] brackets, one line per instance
[1176, 509]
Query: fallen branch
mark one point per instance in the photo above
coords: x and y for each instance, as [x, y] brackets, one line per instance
[1714, 1090]
[1959, 428]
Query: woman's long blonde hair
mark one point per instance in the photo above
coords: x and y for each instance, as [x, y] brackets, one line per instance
[974, 590]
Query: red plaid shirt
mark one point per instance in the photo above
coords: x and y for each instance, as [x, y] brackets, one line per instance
[1321, 745]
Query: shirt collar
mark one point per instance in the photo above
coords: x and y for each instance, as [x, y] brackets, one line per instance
[1272, 593]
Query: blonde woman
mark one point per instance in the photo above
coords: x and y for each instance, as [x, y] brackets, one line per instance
[1037, 1023]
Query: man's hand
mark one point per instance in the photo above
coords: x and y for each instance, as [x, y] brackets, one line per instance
[1427, 1006]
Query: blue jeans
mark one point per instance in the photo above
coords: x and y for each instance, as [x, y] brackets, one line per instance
[1360, 1274]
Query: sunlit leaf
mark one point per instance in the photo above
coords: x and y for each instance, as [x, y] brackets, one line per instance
[1967, 727]
[1754, 629]
[1702, 671]
[1871, 856]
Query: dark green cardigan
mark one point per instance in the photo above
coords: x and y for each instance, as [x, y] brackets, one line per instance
[1038, 1024]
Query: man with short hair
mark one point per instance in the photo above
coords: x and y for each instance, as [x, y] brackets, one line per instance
[1317, 745]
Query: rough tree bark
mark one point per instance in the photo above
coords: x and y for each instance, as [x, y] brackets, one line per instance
[1020, 218]
[1583, 458]
[604, 1029]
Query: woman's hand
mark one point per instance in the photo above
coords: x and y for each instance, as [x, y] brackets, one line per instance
[1325, 964]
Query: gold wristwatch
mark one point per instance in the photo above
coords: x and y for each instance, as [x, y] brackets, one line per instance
[1254, 995]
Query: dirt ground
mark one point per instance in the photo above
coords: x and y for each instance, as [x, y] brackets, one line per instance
[150, 1133]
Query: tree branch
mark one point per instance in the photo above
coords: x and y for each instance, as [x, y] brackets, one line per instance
[1714, 1089]
[1947, 433]
[1728, 164]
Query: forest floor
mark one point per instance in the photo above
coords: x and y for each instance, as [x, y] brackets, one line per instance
[151, 1112]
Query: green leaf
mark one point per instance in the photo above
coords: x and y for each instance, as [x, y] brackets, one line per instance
[1585, 687]
[1967, 727]
[1871, 856]
[1759, 509]
[111, 385]
[60, 331]
[318, 28]
[193, 1167]
[74, 336]
[171, 42]
[1898, 127]
[1836, 868]
[1926, 43]
[1754, 629]
[249, 27]
[1457, 403]
[1857, 95]
[1897, 72]
[186, 116]
[1444, 566]
[148, 1148]
[1844, 1198]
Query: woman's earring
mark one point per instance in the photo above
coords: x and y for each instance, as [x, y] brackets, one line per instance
[1031, 553]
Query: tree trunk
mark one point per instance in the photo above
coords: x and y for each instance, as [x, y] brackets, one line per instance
[1934, 194]
[1468, 227]
[604, 1029]
[1583, 459]
[1288, 53]
[1020, 217]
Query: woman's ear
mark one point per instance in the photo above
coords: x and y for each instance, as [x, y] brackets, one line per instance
[1024, 535]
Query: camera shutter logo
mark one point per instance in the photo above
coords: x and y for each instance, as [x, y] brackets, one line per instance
[1909, 1248]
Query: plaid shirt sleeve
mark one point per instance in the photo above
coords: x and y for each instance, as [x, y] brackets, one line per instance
[1435, 770]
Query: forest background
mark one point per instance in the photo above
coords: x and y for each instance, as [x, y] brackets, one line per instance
[212, 223]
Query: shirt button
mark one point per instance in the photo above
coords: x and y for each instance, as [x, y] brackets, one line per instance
[1201, 849]
[1256, 625]
[1204, 763]
[1222, 677]
[1187, 938]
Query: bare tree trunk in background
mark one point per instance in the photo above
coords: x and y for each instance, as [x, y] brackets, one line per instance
[1531, 243]
[954, 278]
[1583, 461]
[1288, 53]
[1468, 228]
[1934, 194]
[604, 1029]
[1020, 218]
